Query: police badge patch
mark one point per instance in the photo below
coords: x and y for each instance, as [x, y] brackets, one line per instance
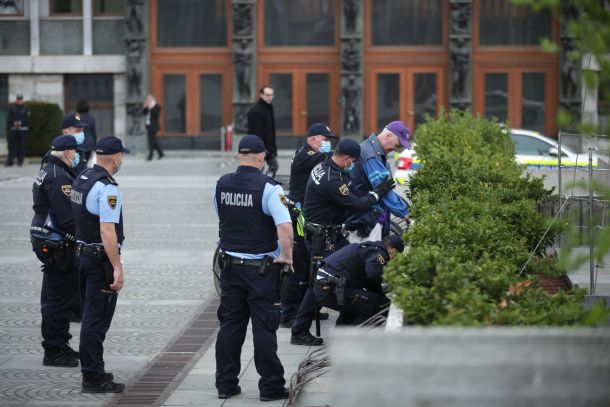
[283, 200]
[380, 259]
[112, 201]
[311, 152]
[344, 189]
[67, 190]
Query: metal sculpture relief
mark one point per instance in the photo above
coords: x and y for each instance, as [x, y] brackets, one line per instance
[350, 12]
[351, 56]
[351, 97]
[242, 19]
[569, 70]
[135, 47]
[242, 58]
[460, 62]
[133, 13]
[460, 18]
[135, 111]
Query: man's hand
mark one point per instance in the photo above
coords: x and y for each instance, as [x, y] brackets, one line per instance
[385, 186]
[285, 260]
[118, 282]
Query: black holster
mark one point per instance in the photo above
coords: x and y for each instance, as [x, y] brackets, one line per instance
[340, 291]
[56, 255]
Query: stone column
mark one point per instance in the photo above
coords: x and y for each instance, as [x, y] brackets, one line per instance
[460, 48]
[351, 67]
[87, 28]
[136, 68]
[244, 58]
[34, 28]
[570, 69]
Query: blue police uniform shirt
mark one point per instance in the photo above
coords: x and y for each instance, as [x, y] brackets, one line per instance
[272, 206]
[98, 202]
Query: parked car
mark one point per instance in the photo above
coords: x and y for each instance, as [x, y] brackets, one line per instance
[531, 149]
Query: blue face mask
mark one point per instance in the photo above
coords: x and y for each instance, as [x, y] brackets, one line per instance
[80, 138]
[76, 160]
[350, 167]
[325, 147]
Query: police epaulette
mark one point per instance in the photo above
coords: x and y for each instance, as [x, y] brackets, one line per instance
[273, 181]
[112, 181]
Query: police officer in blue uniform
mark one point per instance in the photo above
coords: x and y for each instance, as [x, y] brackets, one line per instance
[52, 235]
[327, 199]
[18, 123]
[97, 208]
[255, 238]
[71, 124]
[315, 150]
[349, 280]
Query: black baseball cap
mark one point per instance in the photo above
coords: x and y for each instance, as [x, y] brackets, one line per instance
[110, 145]
[320, 129]
[19, 96]
[348, 146]
[251, 144]
[62, 143]
[397, 243]
[72, 120]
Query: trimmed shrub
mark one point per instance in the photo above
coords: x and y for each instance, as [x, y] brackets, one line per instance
[45, 121]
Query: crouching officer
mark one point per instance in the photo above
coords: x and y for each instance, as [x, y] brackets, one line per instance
[315, 150]
[327, 199]
[252, 219]
[350, 279]
[52, 235]
[97, 208]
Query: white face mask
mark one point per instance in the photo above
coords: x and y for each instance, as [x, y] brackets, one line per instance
[325, 147]
[80, 138]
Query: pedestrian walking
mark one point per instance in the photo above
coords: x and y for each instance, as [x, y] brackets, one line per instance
[261, 122]
[152, 111]
[18, 124]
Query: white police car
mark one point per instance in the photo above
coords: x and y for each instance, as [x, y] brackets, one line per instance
[531, 149]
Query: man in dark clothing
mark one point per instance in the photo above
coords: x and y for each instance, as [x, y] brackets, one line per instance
[261, 122]
[349, 280]
[18, 122]
[152, 111]
[82, 108]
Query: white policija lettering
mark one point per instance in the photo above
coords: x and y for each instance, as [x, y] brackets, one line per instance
[76, 197]
[236, 199]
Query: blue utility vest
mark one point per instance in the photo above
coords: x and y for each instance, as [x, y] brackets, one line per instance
[87, 225]
[368, 149]
[244, 227]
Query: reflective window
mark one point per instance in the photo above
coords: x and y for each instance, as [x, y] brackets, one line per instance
[191, 23]
[109, 36]
[407, 22]
[299, 23]
[496, 96]
[388, 98]
[174, 104]
[530, 145]
[3, 101]
[98, 90]
[15, 37]
[109, 7]
[503, 23]
[70, 32]
[532, 102]
[210, 93]
[317, 98]
[424, 96]
[282, 102]
[66, 6]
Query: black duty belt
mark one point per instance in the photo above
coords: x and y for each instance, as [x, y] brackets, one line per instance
[245, 262]
[95, 250]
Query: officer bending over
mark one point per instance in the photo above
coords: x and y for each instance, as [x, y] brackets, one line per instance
[98, 214]
[350, 279]
[315, 150]
[327, 199]
[52, 235]
[252, 219]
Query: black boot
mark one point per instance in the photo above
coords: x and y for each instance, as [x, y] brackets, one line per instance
[59, 358]
[306, 339]
[101, 384]
[284, 394]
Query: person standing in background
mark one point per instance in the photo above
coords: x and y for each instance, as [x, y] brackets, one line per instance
[18, 122]
[152, 111]
[261, 122]
[88, 146]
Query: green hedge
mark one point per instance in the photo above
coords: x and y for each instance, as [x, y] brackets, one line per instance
[45, 124]
[475, 227]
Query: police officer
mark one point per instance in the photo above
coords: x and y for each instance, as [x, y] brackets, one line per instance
[97, 208]
[252, 220]
[315, 150]
[327, 199]
[18, 122]
[71, 124]
[52, 235]
[349, 280]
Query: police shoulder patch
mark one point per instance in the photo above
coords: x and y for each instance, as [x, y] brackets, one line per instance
[283, 200]
[380, 259]
[344, 189]
[67, 190]
[311, 152]
[112, 201]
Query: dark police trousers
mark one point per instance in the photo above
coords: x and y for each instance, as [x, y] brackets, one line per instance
[57, 297]
[361, 304]
[16, 146]
[295, 284]
[98, 309]
[248, 295]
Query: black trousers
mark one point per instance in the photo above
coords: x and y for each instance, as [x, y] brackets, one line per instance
[295, 284]
[153, 144]
[16, 146]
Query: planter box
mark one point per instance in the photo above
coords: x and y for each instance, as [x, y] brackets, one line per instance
[471, 367]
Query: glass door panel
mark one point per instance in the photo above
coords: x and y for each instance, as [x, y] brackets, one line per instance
[174, 103]
[317, 98]
[388, 98]
[496, 96]
[532, 101]
[425, 96]
[282, 102]
[210, 102]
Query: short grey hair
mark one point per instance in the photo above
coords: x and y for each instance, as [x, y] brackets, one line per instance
[57, 154]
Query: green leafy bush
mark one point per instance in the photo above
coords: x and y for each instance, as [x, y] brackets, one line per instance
[475, 227]
[45, 121]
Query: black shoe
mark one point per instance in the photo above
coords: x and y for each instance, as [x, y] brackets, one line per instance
[59, 359]
[106, 385]
[306, 339]
[161, 155]
[324, 316]
[287, 324]
[284, 394]
[71, 352]
[149, 158]
[229, 394]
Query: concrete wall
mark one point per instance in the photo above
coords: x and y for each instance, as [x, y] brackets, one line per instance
[448, 367]
[48, 88]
